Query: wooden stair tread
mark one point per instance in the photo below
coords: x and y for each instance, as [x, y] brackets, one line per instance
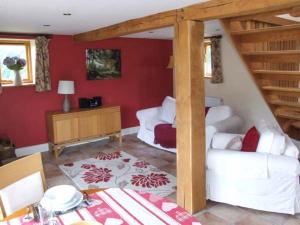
[296, 124]
[285, 89]
[285, 103]
[266, 29]
[283, 52]
[276, 72]
[287, 114]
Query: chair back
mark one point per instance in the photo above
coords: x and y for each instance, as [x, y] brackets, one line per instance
[22, 183]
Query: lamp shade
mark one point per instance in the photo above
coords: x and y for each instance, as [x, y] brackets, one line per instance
[66, 87]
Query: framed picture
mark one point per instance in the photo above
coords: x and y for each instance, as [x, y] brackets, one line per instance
[103, 64]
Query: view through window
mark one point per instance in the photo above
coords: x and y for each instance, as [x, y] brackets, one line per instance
[20, 49]
[207, 62]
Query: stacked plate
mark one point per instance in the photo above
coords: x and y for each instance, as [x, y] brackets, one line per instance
[62, 198]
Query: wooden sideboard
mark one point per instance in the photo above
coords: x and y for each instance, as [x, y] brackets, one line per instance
[82, 125]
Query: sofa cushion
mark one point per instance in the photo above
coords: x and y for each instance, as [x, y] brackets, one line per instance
[291, 149]
[152, 122]
[165, 135]
[250, 140]
[278, 144]
[168, 110]
[218, 113]
[271, 141]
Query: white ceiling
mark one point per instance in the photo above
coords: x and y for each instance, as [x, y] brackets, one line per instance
[29, 16]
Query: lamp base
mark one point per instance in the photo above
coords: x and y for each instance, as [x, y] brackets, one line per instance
[66, 104]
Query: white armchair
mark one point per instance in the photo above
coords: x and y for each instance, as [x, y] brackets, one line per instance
[252, 179]
[220, 118]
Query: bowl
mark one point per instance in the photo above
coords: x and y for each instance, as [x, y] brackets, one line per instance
[61, 194]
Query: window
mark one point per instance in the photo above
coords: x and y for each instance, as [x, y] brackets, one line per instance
[207, 60]
[21, 49]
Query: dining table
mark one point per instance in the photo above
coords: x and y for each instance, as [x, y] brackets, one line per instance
[116, 206]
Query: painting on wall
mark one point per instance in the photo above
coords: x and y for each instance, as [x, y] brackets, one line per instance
[103, 64]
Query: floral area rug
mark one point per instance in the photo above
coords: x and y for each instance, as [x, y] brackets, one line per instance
[120, 169]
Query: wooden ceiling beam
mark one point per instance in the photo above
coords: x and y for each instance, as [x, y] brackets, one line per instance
[295, 12]
[275, 20]
[219, 9]
[215, 9]
[269, 17]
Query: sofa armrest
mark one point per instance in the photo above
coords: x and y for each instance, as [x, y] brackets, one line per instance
[232, 124]
[221, 140]
[145, 114]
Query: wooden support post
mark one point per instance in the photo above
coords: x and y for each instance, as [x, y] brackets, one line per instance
[190, 115]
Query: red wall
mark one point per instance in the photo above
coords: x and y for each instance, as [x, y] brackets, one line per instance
[145, 82]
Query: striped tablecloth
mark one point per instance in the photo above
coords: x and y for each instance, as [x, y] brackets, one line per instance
[123, 206]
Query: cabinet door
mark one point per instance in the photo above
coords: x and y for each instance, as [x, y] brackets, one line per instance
[109, 122]
[88, 124]
[65, 128]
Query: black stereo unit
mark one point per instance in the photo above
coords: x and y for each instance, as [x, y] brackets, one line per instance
[90, 102]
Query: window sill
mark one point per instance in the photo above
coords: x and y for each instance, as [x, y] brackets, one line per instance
[13, 86]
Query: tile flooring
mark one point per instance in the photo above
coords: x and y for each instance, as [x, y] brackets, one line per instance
[214, 214]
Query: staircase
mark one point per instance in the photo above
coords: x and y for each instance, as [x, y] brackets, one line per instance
[270, 47]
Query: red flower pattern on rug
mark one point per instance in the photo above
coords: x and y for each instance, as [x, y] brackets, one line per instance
[150, 180]
[120, 169]
[141, 164]
[126, 160]
[96, 175]
[88, 166]
[69, 164]
[110, 156]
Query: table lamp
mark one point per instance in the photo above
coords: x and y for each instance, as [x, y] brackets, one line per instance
[66, 87]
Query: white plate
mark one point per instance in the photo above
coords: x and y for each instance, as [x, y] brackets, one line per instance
[61, 194]
[75, 202]
[57, 206]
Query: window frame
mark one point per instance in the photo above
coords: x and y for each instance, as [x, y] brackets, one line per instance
[207, 42]
[27, 45]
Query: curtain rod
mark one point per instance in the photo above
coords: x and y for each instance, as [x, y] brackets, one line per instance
[25, 35]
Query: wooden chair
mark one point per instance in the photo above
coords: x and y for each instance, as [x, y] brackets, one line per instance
[22, 183]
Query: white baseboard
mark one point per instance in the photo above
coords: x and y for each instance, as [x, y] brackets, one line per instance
[45, 147]
[31, 149]
[130, 130]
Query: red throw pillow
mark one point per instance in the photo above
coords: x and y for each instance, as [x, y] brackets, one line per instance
[250, 140]
[206, 110]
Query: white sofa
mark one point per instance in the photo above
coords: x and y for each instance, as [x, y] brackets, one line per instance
[257, 180]
[220, 118]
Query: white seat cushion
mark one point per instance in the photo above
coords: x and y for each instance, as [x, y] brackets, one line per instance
[168, 110]
[22, 193]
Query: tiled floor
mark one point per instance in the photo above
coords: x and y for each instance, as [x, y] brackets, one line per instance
[214, 214]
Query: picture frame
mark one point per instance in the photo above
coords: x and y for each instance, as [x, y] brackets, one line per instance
[103, 64]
